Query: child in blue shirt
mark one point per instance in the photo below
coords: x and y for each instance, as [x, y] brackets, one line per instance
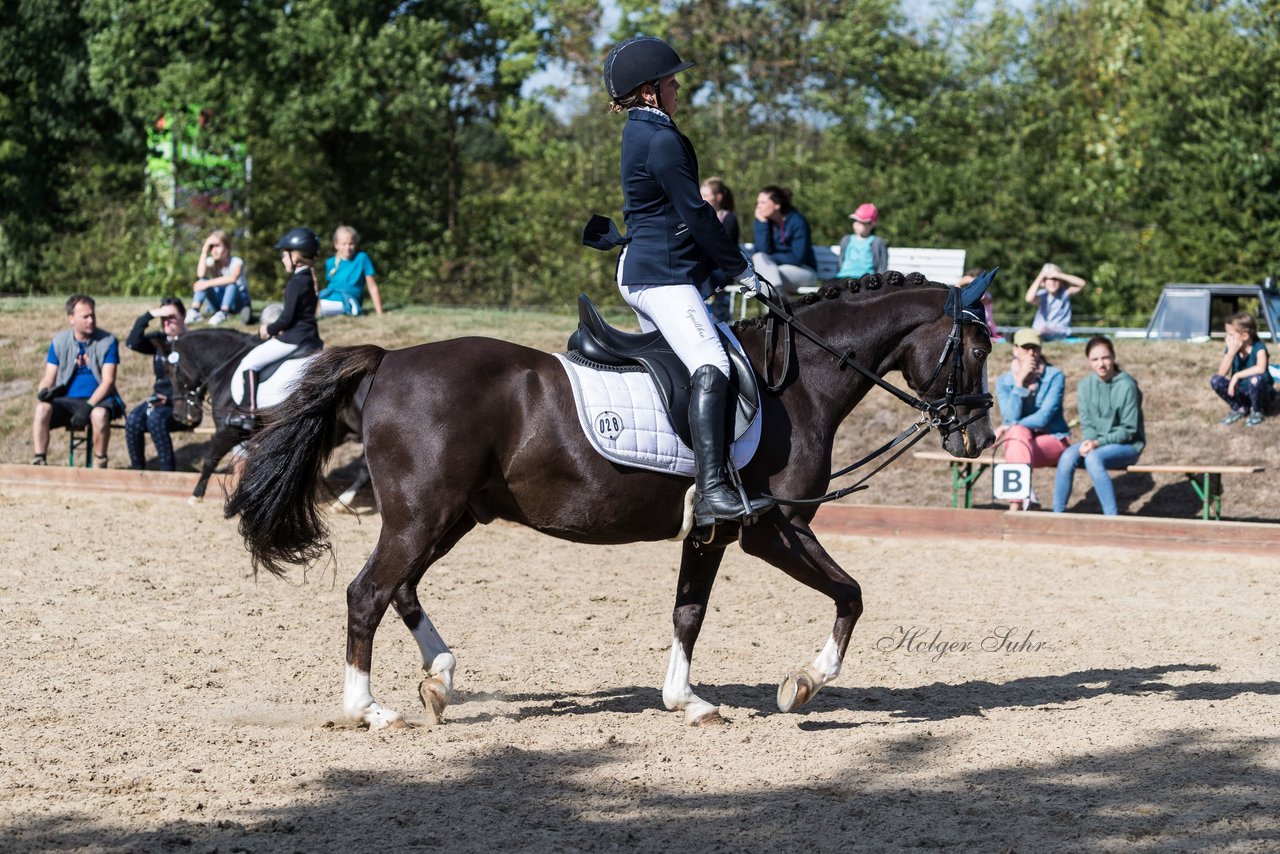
[348, 274]
[863, 252]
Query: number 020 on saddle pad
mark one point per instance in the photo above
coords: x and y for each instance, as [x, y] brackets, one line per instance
[632, 396]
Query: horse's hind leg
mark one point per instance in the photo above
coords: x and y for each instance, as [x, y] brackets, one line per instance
[437, 659]
[698, 568]
[403, 551]
[792, 547]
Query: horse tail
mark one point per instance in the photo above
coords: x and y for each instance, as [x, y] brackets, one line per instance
[276, 498]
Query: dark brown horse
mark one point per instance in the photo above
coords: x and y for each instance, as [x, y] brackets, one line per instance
[201, 364]
[464, 431]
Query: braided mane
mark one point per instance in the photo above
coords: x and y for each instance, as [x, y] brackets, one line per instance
[836, 288]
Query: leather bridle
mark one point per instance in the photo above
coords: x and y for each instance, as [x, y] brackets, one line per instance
[940, 413]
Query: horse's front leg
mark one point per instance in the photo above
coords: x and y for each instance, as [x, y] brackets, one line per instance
[343, 501]
[792, 547]
[222, 442]
[698, 568]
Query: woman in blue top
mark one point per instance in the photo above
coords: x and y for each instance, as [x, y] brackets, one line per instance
[1243, 379]
[783, 242]
[1033, 428]
[673, 241]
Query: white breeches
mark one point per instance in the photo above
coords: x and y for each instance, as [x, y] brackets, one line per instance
[680, 314]
[268, 352]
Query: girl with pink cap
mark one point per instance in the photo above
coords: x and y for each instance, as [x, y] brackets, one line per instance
[863, 252]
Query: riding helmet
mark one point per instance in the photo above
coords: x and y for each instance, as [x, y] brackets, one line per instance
[300, 239]
[640, 59]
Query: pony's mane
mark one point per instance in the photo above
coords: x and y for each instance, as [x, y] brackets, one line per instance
[868, 285]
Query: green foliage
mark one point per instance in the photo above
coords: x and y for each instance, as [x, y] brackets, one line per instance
[1131, 141]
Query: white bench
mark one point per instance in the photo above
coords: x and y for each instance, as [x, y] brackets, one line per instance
[937, 265]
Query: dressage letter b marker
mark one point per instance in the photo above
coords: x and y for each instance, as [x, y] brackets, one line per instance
[1011, 481]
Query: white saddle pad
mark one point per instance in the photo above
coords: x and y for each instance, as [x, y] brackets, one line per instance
[276, 389]
[623, 417]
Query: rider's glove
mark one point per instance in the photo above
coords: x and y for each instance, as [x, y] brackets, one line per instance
[81, 419]
[45, 395]
[752, 286]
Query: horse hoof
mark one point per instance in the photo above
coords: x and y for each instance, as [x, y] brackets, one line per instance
[379, 718]
[711, 718]
[434, 699]
[796, 689]
[194, 500]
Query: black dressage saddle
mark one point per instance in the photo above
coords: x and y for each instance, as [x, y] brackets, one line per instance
[597, 345]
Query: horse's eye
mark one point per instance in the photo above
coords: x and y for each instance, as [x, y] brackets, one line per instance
[174, 357]
[979, 354]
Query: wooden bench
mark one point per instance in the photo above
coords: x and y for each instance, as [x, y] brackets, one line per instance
[937, 265]
[1205, 480]
[964, 473]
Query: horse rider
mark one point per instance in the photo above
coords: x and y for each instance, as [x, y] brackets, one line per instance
[296, 327]
[673, 240]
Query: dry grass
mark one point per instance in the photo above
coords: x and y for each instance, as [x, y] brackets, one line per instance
[1181, 412]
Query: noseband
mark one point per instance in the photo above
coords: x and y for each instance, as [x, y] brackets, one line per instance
[940, 413]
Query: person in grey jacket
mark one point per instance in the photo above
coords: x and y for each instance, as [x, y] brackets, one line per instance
[78, 387]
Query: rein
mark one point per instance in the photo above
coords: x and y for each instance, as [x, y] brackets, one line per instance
[940, 413]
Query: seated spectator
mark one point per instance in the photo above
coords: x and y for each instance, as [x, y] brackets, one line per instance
[222, 282]
[78, 387]
[863, 252]
[1030, 398]
[1243, 379]
[155, 416]
[1111, 430]
[349, 274]
[716, 193]
[988, 304]
[783, 244]
[1051, 294]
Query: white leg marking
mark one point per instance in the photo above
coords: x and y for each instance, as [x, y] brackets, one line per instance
[827, 664]
[437, 660]
[358, 703]
[344, 500]
[676, 691]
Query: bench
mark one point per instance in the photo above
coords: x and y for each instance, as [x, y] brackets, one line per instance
[1205, 480]
[937, 265]
[964, 472]
[83, 439]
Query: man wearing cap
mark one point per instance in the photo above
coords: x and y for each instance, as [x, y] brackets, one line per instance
[1029, 394]
[863, 252]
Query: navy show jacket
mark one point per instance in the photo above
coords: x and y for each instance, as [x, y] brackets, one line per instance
[673, 236]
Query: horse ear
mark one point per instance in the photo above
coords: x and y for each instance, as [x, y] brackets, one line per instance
[972, 293]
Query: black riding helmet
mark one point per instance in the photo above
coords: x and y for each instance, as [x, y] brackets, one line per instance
[302, 240]
[641, 59]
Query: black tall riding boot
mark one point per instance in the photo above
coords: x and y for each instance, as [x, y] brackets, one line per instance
[246, 417]
[716, 499]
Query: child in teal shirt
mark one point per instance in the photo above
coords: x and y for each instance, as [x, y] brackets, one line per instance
[348, 274]
[863, 252]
